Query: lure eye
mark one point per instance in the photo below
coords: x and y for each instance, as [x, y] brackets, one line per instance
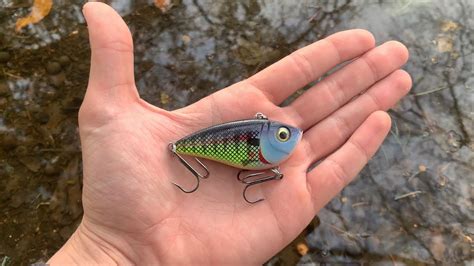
[283, 134]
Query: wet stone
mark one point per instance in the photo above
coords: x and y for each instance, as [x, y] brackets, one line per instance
[34, 108]
[16, 200]
[352, 248]
[57, 80]
[4, 90]
[84, 34]
[9, 170]
[325, 253]
[53, 68]
[459, 251]
[9, 141]
[454, 140]
[32, 163]
[437, 247]
[49, 93]
[51, 169]
[64, 60]
[21, 150]
[4, 56]
[42, 117]
[83, 67]
[373, 243]
[66, 232]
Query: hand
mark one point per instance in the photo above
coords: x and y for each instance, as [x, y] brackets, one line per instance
[132, 212]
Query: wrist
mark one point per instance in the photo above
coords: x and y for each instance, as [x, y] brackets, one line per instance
[84, 247]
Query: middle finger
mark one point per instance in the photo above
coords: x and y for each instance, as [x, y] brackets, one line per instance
[333, 131]
[337, 89]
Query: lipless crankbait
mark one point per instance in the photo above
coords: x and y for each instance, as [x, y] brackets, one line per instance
[254, 144]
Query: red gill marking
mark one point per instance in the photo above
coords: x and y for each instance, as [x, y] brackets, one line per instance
[261, 158]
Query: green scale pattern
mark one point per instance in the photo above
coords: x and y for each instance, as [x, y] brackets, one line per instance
[235, 145]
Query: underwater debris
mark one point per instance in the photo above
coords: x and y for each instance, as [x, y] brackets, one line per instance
[40, 9]
[163, 5]
[410, 194]
[302, 249]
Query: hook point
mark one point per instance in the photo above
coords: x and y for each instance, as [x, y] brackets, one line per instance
[186, 191]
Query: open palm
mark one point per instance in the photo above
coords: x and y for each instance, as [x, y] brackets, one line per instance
[132, 212]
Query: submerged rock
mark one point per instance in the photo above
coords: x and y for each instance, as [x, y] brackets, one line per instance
[53, 68]
[4, 90]
[64, 60]
[4, 56]
[57, 80]
[9, 141]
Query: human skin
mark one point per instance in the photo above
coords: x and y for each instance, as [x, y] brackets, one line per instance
[132, 212]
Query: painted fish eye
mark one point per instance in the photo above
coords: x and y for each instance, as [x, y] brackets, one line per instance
[283, 134]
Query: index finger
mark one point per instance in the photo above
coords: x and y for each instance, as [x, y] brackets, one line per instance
[307, 64]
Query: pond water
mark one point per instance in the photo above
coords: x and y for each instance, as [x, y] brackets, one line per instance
[412, 204]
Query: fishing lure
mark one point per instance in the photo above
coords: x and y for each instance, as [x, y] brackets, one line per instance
[254, 144]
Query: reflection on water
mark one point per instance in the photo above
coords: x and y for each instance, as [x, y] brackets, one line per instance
[411, 205]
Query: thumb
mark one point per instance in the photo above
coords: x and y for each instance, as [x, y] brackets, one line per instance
[111, 82]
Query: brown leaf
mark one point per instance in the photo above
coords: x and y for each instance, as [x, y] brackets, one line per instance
[40, 10]
[164, 98]
[448, 25]
[186, 39]
[302, 249]
[444, 44]
[422, 168]
[437, 247]
[163, 5]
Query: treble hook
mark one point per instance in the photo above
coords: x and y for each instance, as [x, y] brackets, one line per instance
[277, 175]
[196, 174]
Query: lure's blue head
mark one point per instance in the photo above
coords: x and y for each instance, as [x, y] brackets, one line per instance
[278, 141]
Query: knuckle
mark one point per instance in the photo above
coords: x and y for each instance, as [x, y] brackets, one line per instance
[338, 173]
[372, 67]
[124, 46]
[303, 65]
[361, 150]
[341, 127]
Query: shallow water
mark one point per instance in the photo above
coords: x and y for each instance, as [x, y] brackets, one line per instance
[412, 205]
